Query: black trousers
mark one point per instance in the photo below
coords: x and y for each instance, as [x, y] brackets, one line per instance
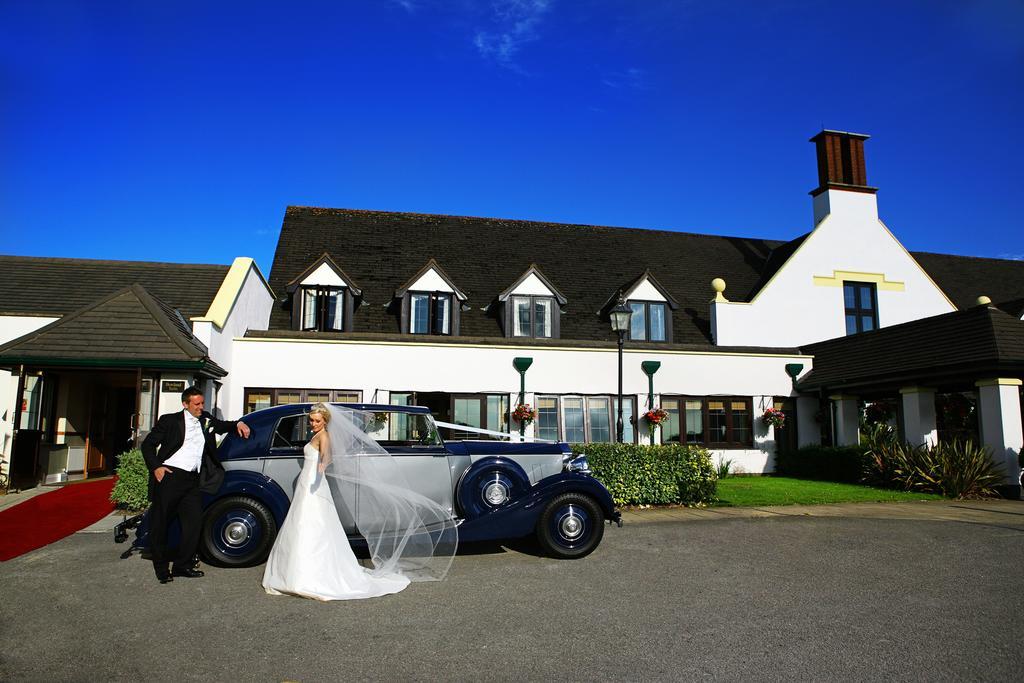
[176, 496]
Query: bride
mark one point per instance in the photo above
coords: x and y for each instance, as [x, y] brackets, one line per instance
[409, 537]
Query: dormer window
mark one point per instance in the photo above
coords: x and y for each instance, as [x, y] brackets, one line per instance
[652, 308]
[648, 321]
[430, 302]
[532, 316]
[532, 307]
[430, 313]
[323, 308]
[323, 298]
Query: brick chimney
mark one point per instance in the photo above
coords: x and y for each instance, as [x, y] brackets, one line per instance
[842, 177]
[841, 162]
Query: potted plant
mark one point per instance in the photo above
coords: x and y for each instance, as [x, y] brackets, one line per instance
[524, 414]
[774, 418]
[654, 418]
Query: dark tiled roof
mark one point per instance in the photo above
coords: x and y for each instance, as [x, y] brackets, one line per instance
[125, 327]
[978, 343]
[56, 286]
[965, 278]
[484, 256]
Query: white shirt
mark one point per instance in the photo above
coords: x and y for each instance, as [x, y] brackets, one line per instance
[190, 456]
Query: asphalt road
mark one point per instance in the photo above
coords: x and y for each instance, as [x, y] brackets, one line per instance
[786, 598]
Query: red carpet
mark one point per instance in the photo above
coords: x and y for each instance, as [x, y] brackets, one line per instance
[51, 516]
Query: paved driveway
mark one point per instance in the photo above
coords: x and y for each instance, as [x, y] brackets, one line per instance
[902, 595]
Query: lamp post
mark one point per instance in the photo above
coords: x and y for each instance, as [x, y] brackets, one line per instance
[522, 364]
[620, 316]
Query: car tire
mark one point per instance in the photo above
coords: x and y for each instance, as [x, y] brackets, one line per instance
[571, 526]
[238, 531]
[490, 487]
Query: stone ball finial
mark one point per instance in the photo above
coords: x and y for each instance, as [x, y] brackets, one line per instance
[718, 284]
[983, 300]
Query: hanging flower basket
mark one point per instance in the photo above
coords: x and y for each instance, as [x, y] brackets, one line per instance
[774, 418]
[379, 421]
[524, 414]
[654, 418]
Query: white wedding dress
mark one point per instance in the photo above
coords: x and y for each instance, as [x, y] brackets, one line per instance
[312, 557]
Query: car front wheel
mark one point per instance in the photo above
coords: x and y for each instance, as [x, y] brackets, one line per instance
[237, 532]
[571, 526]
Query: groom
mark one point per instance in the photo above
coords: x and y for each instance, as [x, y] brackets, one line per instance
[180, 455]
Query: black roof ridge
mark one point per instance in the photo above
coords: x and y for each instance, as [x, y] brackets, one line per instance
[976, 258]
[76, 260]
[492, 219]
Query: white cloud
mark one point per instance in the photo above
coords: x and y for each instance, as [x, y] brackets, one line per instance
[1014, 257]
[516, 23]
[629, 78]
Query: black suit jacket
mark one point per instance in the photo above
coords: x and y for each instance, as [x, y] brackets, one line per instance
[169, 434]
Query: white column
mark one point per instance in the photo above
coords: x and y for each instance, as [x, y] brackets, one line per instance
[847, 420]
[999, 423]
[919, 416]
[808, 429]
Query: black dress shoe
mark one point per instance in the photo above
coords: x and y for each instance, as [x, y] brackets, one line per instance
[188, 573]
[164, 577]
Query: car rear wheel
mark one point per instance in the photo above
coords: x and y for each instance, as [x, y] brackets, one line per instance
[237, 532]
[571, 526]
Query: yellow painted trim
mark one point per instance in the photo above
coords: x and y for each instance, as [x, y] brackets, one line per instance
[839, 276]
[999, 382]
[230, 289]
[352, 342]
[842, 397]
[916, 390]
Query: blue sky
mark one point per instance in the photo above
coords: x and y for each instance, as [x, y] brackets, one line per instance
[180, 131]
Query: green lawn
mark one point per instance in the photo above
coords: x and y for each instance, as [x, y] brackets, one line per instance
[757, 491]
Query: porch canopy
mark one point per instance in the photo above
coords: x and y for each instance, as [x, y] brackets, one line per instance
[129, 328]
[979, 349]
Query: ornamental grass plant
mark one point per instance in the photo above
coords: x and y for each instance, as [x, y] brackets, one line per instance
[653, 475]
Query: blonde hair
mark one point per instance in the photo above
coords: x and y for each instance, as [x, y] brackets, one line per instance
[321, 410]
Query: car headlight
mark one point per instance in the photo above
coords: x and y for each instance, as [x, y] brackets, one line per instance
[577, 463]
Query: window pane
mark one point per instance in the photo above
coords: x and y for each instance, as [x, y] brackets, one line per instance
[497, 412]
[717, 428]
[419, 312]
[865, 298]
[627, 418]
[740, 422]
[291, 432]
[521, 316]
[335, 304]
[573, 410]
[467, 412]
[657, 322]
[638, 323]
[867, 323]
[257, 401]
[547, 418]
[542, 308]
[600, 426]
[694, 422]
[851, 324]
[308, 309]
[347, 397]
[442, 319]
[849, 296]
[670, 427]
[287, 397]
[318, 397]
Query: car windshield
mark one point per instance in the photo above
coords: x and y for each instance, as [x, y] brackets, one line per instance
[388, 428]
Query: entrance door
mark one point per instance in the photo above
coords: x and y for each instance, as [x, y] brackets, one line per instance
[98, 434]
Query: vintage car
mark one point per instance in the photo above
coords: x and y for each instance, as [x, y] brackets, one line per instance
[495, 490]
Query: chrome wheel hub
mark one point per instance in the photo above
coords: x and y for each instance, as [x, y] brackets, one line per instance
[571, 525]
[496, 493]
[236, 533]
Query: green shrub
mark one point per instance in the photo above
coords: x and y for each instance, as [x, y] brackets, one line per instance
[132, 488]
[653, 475]
[826, 463]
